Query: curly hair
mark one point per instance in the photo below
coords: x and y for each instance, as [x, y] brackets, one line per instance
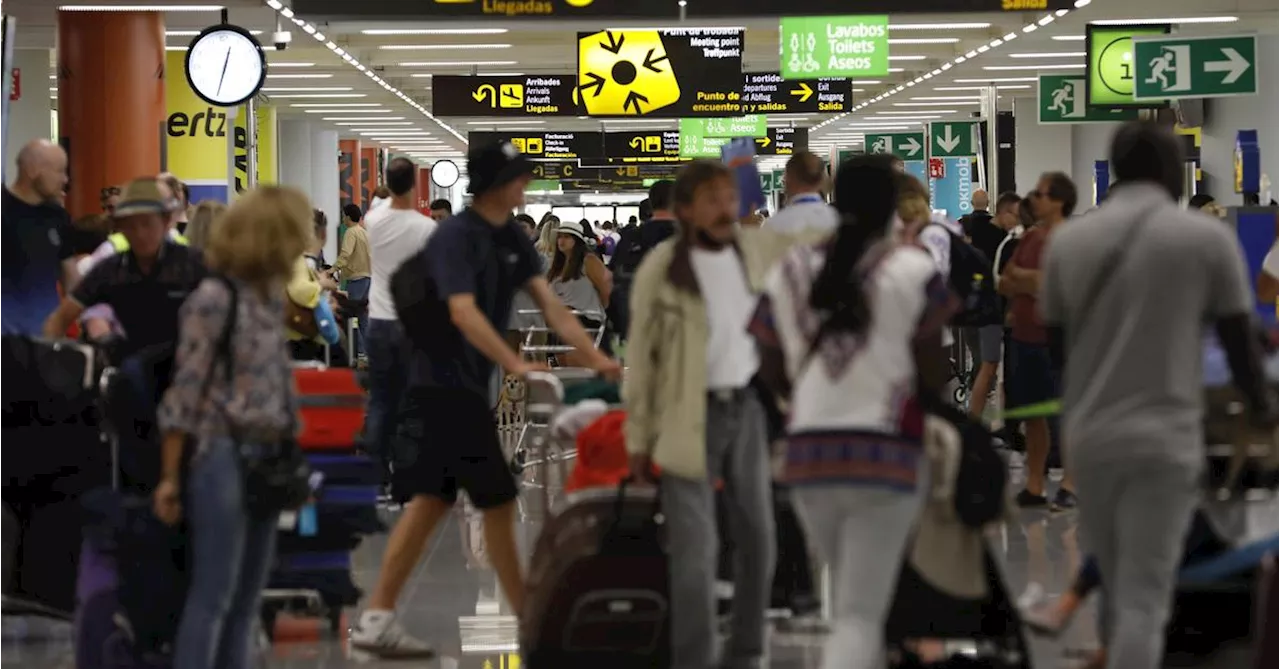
[261, 236]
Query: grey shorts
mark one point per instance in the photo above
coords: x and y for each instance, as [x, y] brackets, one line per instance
[990, 341]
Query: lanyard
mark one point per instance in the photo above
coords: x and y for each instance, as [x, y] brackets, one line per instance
[807, 198]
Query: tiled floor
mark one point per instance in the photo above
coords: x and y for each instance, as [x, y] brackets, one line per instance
[453, 600]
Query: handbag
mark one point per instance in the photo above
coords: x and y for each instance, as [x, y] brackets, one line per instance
[276, 475]
[300, 319]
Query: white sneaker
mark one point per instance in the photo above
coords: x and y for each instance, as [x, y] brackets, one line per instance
[379, 633]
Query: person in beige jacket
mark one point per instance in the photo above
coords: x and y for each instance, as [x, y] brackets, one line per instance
[694, 413]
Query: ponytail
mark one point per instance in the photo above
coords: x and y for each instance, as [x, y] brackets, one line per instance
[866, 196]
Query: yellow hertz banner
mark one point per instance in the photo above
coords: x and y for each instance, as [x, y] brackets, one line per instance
[195, 135]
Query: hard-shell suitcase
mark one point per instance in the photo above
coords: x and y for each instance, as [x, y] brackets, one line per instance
[598, 585]
[332, 405]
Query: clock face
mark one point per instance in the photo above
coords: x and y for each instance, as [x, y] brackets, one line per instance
[444, 173]
[225, 65]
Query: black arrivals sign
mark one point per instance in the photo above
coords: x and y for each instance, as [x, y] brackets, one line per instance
[530, 96]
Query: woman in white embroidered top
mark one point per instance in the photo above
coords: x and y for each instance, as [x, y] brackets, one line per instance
[850, 333]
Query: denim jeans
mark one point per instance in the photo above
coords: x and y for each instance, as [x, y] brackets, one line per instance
[388, 376]
[738, 453]
[358, 289]
[231, 558]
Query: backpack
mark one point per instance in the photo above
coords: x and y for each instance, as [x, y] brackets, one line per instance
[628, 251]
[422, 314]
[971, 279]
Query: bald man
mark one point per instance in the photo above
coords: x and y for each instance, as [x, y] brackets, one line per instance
[803, 181]
[37, 249]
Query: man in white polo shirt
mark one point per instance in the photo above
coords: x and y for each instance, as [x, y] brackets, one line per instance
[804, 179]
[396, 232]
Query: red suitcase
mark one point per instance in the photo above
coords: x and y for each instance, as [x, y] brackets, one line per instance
[332, 405]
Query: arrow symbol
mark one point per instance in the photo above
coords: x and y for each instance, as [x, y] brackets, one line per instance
[764, 142]
[804, 92]
[635, 142]
[946, 140]
[615, 43]
[1235, 65]
[485, 91]
[651, 63]
[596, 82]
[633, 99]
[912, 147]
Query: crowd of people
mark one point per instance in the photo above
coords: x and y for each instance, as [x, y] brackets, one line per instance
[842, 317]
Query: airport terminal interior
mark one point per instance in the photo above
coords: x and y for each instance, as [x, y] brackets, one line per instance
[608, 97]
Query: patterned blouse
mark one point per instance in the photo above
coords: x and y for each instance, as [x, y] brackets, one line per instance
[260, 400]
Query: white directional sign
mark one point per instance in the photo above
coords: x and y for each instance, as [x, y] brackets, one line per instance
[1172, 66]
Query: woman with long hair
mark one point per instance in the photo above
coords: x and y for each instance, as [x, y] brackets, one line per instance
[580, 279]
[230, 398]
[204, 217]
[850, 333]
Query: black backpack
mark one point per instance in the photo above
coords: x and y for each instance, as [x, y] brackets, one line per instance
[971, 279]
[628, 251]
[422, 314]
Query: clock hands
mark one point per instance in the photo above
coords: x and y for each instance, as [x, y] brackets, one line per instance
[224, 69]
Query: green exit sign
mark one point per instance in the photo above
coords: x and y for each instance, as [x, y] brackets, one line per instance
[1173, 66]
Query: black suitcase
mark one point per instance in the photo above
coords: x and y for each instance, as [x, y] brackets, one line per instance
[598, 585]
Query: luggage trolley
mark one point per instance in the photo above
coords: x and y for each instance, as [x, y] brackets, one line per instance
[523, 426]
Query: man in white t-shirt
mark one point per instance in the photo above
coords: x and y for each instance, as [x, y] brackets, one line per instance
[396, 232]
[1269, 277]
[804, 180]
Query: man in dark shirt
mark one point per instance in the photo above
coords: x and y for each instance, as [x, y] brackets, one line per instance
[37, 239]
[634, 242]
[145, 285]
[476, 260]
[986, 234]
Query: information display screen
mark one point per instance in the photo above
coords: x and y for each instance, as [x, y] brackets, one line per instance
[768, 92]
[543, 145]
[672, 73]
[530, 96]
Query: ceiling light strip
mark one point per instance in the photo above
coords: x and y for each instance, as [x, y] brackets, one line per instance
[352, 61]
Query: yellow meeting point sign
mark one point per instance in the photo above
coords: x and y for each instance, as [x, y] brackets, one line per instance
[625, 73]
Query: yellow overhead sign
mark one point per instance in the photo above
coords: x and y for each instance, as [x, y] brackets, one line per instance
[669, 73]
[623, 73]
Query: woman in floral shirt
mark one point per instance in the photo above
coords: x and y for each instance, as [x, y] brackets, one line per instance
[254, 249]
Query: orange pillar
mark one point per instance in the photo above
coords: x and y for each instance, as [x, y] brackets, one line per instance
[349, 171]
[370, 172]
[111, 107]
[424, 190]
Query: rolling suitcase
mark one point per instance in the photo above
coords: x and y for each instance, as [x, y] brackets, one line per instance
[1265, 605]
[332, 405]
[598, 585]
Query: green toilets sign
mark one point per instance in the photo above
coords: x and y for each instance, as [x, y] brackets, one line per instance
[834, 46]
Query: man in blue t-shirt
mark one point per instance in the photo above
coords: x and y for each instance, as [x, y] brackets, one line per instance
[477, 260]
[37, 245]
